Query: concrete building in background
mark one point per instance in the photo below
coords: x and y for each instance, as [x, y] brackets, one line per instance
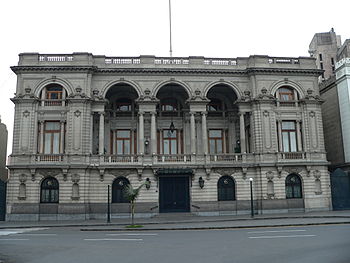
[3, 170]
[324, 48]
[194, 129]
[3, 151]
[335, 91]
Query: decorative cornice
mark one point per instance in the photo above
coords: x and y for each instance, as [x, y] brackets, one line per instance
[95, 69]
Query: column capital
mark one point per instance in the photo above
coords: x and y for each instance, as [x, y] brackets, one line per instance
[192, 113]
[204, 112]
[141, 113]
[101, 113]
[153, 112]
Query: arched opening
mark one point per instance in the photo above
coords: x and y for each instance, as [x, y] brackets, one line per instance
[293, 186]
[118, 187]
[120, 120]
[223, 137]
[53, 95]
[49, 190]
[226, 189]
[287, 96]
[170, 110]
[121, 100]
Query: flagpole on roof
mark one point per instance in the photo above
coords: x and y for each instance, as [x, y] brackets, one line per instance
[171, 49]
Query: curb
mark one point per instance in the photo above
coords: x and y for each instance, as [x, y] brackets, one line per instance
[176, 222]
[208, 228]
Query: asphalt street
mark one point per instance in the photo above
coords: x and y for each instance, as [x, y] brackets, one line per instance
[324, 243]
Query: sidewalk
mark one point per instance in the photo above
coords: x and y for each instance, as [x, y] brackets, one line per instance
[179, 221]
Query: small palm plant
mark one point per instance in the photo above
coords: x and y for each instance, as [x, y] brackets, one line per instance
[131, 194]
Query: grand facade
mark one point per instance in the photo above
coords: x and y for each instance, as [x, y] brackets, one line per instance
[194, 129]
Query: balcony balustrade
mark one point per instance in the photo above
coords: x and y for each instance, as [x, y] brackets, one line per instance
[53, 103]
[52, 158]
[292, 155]
[173, 158]
[121, 158]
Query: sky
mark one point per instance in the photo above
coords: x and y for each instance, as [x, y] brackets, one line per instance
[220, 28]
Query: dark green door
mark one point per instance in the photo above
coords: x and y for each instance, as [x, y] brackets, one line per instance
[174, 194]
[340, 182]
[2, 200]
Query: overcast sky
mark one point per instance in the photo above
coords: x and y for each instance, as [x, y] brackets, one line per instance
[210, 28]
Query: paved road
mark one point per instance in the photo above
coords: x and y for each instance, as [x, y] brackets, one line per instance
[321, 244]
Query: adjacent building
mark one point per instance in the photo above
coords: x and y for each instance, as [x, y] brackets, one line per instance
[194, 129]
[333, 57]
[3, 170]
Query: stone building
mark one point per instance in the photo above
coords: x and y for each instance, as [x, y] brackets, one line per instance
[194, 129]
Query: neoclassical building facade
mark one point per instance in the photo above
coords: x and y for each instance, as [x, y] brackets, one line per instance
[194, 130]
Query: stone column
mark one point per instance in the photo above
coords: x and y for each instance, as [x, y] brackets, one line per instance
[43, 96]
[242, 132]
[193, 133]
[279, 128]
[114, 150]
[204, 133]
[102, 133]
[141, 133]
[300, 145]
[62, 137]
[42, 126]
[153, 133]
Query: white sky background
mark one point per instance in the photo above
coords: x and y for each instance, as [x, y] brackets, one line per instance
[210, 28]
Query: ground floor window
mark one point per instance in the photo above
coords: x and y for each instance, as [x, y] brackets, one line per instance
[118, 187]
[293, 186]
[226, 189]
[49, 190]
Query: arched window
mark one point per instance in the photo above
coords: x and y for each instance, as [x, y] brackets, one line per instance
[49, 190]
[118, 190]
[226, 189]
[293, 186]
[53, 95]
[286, 94]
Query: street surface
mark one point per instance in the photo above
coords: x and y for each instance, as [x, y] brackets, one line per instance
[321, 244]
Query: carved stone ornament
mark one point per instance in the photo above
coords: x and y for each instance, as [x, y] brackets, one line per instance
[77, 113]
[122, 172]
[317, 174]
[22, 178]
[28, 90]
[147, 92]
[78, 89]
[75, 178]
[312, 114]
[266, 113]
[244, 172]
[49, 172]
[95, 92]
[269, 175]
[224, 171]
[295, 170]
[26, 113]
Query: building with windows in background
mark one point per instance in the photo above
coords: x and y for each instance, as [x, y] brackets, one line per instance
[194, 129]
[333, 56]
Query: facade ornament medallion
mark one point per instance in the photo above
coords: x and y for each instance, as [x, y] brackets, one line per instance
[75, 178]
[269, 175]
[26, 113]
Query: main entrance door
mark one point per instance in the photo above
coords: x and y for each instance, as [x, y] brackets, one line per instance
[174, 194]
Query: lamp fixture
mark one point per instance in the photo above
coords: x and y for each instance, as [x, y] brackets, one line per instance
[201, 182]
[172, 127]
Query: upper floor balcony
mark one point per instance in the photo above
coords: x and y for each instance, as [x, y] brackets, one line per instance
[143, 61]
[162, 160]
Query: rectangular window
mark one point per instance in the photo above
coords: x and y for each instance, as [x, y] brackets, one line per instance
[321, 65]
[216, 141]
[320, 56]
[123, 142]
[289, 136]
[170, 142]
[52, 136]
[332, 61]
